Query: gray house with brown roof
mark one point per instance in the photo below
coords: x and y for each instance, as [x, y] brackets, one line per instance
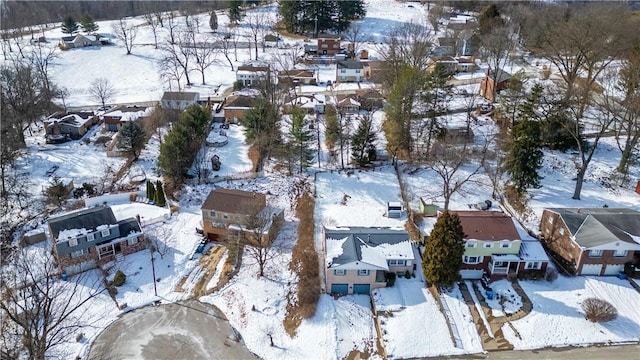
[591, 241]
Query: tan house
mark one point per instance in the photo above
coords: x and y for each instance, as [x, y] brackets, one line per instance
[227, 212]
[591, 241]
[359, 259]
[288, 78]
[73, 125]
[80, 41]
[495, 248]
[328, 44]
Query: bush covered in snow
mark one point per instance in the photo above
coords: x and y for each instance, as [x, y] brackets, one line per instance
[598, 310]
[119, 278]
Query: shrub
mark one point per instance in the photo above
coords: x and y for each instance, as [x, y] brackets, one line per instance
[119, 278]
[391, 279]
[407, 275]
[551, 274]
[598, 310]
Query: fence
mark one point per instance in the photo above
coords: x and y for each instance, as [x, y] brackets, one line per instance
[217, 178]
[112, 198]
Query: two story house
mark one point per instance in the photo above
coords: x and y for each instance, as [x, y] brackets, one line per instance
[250, 75]
[295, 77]
[226, 213]
[235, 107]
[90, 237]
[494, 247]
[328, 44]
[592, 241]
[349, 71]
[358, 259]
[179, 100]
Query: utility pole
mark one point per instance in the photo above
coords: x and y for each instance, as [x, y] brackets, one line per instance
[318, 136]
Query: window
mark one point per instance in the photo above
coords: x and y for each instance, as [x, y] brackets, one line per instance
[505, 244]
[73, 242]
[91, 237]
[620, 253]
[396, 262]
[471, 244]
[488, 245]
[533, 265]
[363, 272]
[132, 241]
[561, 231]
[343, 70]
[550, 220]
[472, 259]
[225, 216]
[339, 272]
[595, 253]
[78, 253]
[499, 264]
[324, 46]
[105, 232]
[212, 213]
[357, 71]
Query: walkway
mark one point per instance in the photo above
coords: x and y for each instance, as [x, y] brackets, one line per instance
[493, 338]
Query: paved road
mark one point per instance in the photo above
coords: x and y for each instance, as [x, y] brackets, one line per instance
[189, 330]
[621, 352]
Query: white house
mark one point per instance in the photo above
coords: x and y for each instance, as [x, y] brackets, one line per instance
[349, 71]
[248, 75]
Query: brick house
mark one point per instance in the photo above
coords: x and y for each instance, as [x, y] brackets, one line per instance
[591, 241]
[358, 259]
[494, 247]
[236, 106]
[73, 125]
[487, 84]
[328, 44]
[90, 237]
[227, 212]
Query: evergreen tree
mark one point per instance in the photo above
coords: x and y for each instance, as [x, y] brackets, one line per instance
[524, 156]
[320, 15]
[444, 251]
[88, 24]
[151, 190]
[436, 88]
[235, 11]
[213, 21]
[489, 18]
[347, 12]
[362, 141]
[160, 199]
[131, 139]
[69, 26]
[289, 11]
[332, 128]
[300, 139]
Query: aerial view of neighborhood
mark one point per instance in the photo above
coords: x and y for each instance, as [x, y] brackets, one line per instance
[319, 179]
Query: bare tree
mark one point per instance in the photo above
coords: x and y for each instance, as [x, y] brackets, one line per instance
[496, 45]
[225, 46]
[205, 56]
[435, 14]
[172, 23]
[40, 312]
[152, 21]
[451, 164]
[255, 21]
[259, 244]
[179, 56]
[42, 57]
[126, 32]
[102, 90]
[355, 36]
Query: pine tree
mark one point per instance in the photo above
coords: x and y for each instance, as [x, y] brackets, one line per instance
[235, 11]
[69, 26]
[362, 141]
[444, 251]
[88, 24]
[332, 128]
[160, 199]
[348, 11]
[151, 190]
[213, 21]
[524, 156]
[301, 139]
[131, 139]
[489, 18]
[399, 114]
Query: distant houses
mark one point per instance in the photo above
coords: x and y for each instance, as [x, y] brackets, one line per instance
[80, 41]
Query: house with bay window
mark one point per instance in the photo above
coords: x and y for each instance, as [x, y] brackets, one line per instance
[496, 248]
[87, 238]
[360, 259]
[592, 241]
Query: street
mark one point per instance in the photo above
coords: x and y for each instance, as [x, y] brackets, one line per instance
[567, 353]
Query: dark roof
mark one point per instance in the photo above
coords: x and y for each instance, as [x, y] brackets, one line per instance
[241, 101]
[369, 93]
[328, 36]
[253, 68]
[598, 226]
[487, 225]
[446, 41]
[296, 73]
[234, 201]
[172, 95]
[504, 76]
[349, 64]
[88, 219]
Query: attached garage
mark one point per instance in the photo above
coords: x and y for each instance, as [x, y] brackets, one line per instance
[340, 289]
[471, 274]
[613, 269]
[591, 269]
[364, 289]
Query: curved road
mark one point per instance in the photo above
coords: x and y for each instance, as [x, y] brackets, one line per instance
[618, 352]
[188, 330]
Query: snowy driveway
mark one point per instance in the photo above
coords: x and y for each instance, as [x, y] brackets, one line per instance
[189, 330]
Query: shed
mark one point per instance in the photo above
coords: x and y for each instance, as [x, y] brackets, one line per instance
[394, 209]
[33, 237]
[428, 209]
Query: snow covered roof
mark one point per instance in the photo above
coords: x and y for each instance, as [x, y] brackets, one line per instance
[75, 223]
[128, 113]
[532, 250]
[76, 119]
[361, 247]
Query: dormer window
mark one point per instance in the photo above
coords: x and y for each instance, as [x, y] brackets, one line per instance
[73, 242]
[105, 232]
[91, 237]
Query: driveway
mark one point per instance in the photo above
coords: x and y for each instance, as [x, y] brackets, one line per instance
[187, 330]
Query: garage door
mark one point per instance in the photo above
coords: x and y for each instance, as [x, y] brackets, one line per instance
[362, 289]
[339, 289]
[613, 269]
[471, 274]
[591, 269]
